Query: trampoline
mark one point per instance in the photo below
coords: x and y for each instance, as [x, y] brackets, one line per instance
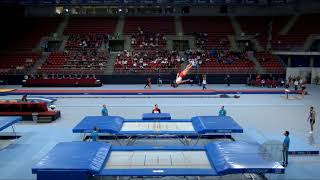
[7, 121]
[82, 160]
[184, 129]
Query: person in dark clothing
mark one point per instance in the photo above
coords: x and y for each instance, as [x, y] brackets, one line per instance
[24, 98]
[156, 109]
[228, 79]
[148, 83]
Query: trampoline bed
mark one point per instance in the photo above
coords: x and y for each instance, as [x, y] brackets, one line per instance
[83, 160]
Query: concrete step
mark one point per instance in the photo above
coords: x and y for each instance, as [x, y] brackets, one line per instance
[259, 68]
[233, 43]
[62, 26]
[236, 26]
[110, 63]
[120, 25]
[43, 58]
[178, 26]
[311, 38]
[289, 25]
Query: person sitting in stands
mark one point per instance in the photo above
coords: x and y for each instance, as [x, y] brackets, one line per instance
[222, 111]
[156, 109]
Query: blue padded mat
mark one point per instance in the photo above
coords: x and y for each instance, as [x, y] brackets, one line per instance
[201, 124]
[156, 116]
[75, 156]
[106, 124]
[6, 121]
[241, 157]
[216, 124]
[224, 158]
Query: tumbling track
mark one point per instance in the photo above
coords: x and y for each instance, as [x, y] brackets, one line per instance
[142, 92]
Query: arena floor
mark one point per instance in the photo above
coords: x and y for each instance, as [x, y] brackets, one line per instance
[259, 115]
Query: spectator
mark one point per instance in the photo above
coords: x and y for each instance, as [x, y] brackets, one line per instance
[285, 148]
[312, 118]
[296, 84]
[94, 134]
[303, 90]
[159, 80]
[286, 90]
[300, 82]
[248, 81]
[222, 111]
[104, 111]
[263, 83]
[282, 82]
[156, 109]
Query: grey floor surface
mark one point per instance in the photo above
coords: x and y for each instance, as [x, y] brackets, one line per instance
[257, 114]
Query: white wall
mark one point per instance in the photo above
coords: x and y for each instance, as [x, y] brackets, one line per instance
[303, 72]
[315, 72]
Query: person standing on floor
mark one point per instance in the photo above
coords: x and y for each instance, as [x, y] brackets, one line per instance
[94, 134]
[204, 83]
[24, 98]
[104, 110]
[222, 111]
[156, 109]
[228, 79]
[148, 83]
[312, 118]
[296, 84]
[285, 148]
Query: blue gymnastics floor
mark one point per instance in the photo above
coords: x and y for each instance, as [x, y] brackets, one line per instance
[266, 114]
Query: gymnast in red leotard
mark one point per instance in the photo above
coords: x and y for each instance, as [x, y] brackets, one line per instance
[182, 74]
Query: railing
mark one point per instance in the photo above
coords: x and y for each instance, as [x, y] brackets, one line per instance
[138, 2]
[13, 71]
[201, 70]
[275, 71]
[71, 71]
[146, 71]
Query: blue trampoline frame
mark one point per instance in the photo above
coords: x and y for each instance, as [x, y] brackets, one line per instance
[156, 116]
[7, 121]
[81, 160]
[203, 126]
